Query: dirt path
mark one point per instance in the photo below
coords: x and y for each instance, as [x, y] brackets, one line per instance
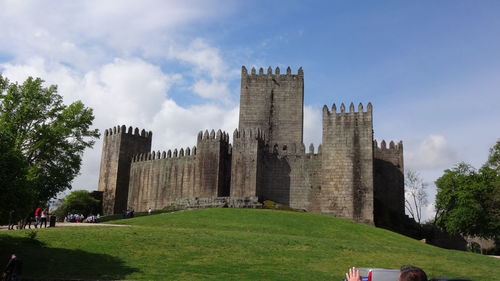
[74, 224]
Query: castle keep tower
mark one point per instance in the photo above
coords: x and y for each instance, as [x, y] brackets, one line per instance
[274, 103]
[118, 148]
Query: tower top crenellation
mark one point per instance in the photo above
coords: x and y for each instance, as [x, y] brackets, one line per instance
[270, 72]
[117, 130]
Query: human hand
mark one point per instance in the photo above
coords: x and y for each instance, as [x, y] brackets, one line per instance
[352, 275]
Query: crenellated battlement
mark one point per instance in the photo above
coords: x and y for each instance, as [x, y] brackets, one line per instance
[116, 130]
[392, 145]
[170, 154]
[253, 133]
[352, 110]
[219, 135]
[355, 118]
[270, 74]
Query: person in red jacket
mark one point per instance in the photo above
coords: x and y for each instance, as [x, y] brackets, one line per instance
[38, 217]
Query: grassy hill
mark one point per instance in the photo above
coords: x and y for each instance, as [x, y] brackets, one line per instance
[231, 244]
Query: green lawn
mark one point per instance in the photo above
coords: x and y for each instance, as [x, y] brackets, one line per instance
[231, 244]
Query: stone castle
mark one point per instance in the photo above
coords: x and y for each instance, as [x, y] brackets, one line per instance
[348, 176]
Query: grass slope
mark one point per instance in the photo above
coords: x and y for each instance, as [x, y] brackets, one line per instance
[232, 244]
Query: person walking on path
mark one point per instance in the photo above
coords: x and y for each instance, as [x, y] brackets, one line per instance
[43, 218]
[38, 216]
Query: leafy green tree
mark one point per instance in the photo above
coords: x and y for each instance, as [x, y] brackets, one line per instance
[16, 195]
[49, 135]
[494, 157]
[468, 200]
[78, 202]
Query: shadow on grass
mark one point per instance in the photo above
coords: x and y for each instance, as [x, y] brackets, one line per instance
[41, 262]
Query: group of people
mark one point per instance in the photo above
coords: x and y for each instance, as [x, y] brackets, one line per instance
[75, 218]
[40, 216]
[81, 218]
[93, 219]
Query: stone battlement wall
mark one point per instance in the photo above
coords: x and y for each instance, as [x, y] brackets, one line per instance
[389, 175]
[246, 164]
[155, 183]
[292, 180]
[158, 179]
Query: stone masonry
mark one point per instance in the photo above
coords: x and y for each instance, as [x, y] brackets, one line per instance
[348, 176]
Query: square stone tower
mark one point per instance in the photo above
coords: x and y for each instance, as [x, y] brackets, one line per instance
[119, 146]
[274, 103]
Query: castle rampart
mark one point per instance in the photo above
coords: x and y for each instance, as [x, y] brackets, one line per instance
[158, 179]
[348, 175]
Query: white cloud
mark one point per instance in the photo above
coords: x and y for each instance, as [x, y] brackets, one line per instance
[132, 92]
[431, 153]
[76, 44]
[83, 33]
[205, 58]
[206, 61]
[127, 91]
[212, 90]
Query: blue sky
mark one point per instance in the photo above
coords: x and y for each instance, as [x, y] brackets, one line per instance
[430, 68]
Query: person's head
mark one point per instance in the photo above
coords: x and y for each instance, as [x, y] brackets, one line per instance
[412, 273]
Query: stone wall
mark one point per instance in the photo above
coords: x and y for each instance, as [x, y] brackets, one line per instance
[290, 179]
[347, 163]
[306, 182]
[119, 145]
[217, 202]
[389, 176]
[158, 179]
[274, 103]
[247, 163]
[213, 161]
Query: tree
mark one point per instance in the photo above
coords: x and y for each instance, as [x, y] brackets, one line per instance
[468, 200]
[49, 136]
[78, 202]
[415, 195]
[16, 195]
[494, 157]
